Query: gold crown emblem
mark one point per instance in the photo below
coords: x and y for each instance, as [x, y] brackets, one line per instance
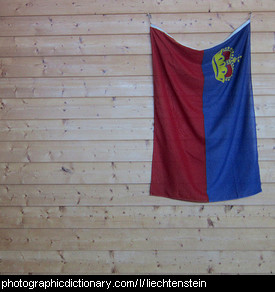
[223, 64]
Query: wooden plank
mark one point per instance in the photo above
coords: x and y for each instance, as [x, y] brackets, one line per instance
[240, 239]
[95, 108]
[266, 149]
[80, 87]
[74, 25]
[63, 7]
[96, 129]
[264, 128]
[95, 151]
[115, 44]
[126, 65]
[132, 23]
[92, 173]
[263, 84]
[267, 172]
[93, 129]
[137, 262]
[264, 105]
[76, 66]
[77, 195]
[200, 216]
[53, 7]
[75, 173]
[107, 195]
[76, 45]
[82, 108]
[79, 151]
[236, 5]
[259, 63]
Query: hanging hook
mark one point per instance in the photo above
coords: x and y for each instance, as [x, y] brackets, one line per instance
[149, 17]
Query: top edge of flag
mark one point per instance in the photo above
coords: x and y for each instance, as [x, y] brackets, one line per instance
[218, 44]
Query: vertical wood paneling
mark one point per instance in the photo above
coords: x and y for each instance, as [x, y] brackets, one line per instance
[76, 129]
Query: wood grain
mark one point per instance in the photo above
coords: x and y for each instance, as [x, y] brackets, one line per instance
[263, 84]
[95, 129]
[53, 7]
[107, 195]
[132, 23]
[85, 45]
[199, 216]
[141, 239]
[95, 151]
[89, 66]
[141, 262]
[98, 108]
[92, 172]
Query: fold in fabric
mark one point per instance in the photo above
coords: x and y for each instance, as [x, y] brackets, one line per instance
[205, 144]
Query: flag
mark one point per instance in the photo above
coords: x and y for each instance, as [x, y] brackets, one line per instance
[205, 144]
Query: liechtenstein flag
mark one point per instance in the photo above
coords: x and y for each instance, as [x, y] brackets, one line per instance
[205, 144]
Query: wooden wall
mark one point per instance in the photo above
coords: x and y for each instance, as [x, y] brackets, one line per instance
[76, 128]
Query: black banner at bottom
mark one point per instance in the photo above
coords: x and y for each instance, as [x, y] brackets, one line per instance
[109, 282]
